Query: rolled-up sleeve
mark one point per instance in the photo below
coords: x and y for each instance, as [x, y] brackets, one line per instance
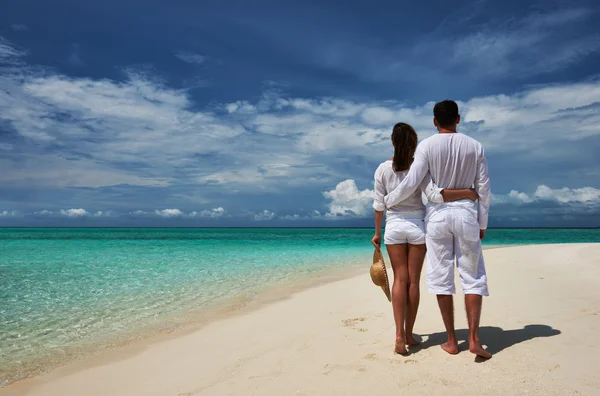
[379, 191]
[432, 192]
[482, 186]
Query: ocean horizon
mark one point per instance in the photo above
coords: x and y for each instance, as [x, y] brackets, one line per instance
[280, 227]
[66, 293]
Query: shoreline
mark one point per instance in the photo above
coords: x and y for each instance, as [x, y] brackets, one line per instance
[102, 351]
[275, 295]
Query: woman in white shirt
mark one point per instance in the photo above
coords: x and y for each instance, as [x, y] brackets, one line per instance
[405, 230]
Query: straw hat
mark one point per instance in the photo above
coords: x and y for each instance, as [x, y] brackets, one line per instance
[379, 273]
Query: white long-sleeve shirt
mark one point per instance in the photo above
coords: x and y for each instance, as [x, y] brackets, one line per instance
[454, 161]
[386, 180]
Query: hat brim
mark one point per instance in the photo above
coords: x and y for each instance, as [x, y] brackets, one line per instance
[378, 258]
[386, 290]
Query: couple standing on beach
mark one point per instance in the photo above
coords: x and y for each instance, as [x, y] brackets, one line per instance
[451, 169]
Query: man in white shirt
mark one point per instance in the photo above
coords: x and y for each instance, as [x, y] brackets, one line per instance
[454, 230]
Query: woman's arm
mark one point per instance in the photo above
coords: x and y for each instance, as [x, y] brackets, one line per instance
[378, 205]
[376, 241]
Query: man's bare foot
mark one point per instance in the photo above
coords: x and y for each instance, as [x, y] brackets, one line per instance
[452, 349]
[478, 350]
[410, 341]
[400, 347]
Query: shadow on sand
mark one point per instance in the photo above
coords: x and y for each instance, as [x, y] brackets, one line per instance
[495, 339]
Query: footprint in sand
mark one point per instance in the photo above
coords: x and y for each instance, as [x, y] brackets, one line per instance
[447, 382]
[403, 361]
[354, 322]
[346, 367]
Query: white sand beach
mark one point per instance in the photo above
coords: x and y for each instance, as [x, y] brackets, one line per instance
[541, 322]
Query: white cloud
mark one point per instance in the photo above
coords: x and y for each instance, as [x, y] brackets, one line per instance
[568, 195]
[140, 213]
[8, 213]
[54, 171]
[102, 124]
[281, 168]
[74, 212]
[292, 217]
[163, 213]
[241, 107]
[565, 195]
[110, 123]
[519, 196]
[236, 176]
[348, 200]
[168, 212]
[380, 116]
[8, 53]
[315, 214]
[103, 213]
[209, 213]
[264, 215]
[191, 57]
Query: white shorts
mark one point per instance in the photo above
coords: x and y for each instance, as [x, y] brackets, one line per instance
[453, 232]
[399, 231]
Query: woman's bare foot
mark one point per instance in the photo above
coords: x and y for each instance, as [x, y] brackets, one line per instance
[400, 347]
[478, 350]
[452, 349]
[411, 341]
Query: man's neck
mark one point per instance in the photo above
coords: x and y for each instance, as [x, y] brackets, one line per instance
[446, 130]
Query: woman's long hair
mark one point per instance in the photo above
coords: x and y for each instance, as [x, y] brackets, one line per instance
[404, 139]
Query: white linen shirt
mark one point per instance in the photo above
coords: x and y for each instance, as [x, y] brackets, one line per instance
[386, 180]
[453, 161]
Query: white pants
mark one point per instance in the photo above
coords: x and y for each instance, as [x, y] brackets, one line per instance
[453, 232]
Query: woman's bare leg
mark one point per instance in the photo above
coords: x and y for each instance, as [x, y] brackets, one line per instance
[416, 255]
[399, 258]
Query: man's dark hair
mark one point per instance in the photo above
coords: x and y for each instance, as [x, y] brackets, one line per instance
[446, 113]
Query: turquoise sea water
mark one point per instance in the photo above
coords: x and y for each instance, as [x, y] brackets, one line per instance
[65, 292]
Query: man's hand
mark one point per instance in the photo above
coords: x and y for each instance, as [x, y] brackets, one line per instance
[376, 241]
[481, 234]
[473, 196]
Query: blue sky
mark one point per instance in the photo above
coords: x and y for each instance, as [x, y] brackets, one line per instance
[267, 113]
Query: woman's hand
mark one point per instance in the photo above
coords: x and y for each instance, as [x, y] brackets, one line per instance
[376, 241]
[473, 196]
